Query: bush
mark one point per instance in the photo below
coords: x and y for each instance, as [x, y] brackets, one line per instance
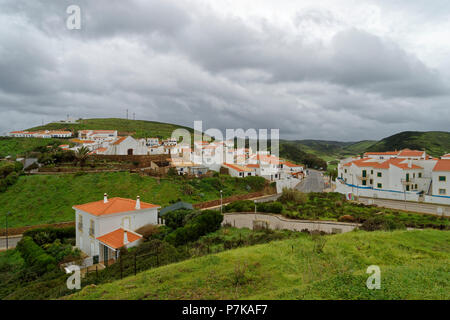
[148, 231]
[240, 206]
[206, 222]
[270, 207]
[294, 196]
[178, 218]
[346, 218]
[381, 223]
[35, 256]
[48, 235]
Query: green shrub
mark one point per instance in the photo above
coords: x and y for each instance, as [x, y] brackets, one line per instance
[270, 207]
[34, 256]
[204, 223]
[294, 196]
[48, 235]
[240, 206]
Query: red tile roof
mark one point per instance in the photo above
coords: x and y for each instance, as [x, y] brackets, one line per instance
[114, 239]
[119, 141]
[411, 153]
[114, 205]
[388, 153]
[442, 165]
[400, 163]
[237, 167]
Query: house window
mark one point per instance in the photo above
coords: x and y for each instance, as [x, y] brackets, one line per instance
[442, 178]
[80, 222]
[420, 174]
[442, 191]
[371, 181]
[407, 177]
[379, 174]
[364, 173]
[379, 185]
[240, 174]
[91, 228]
[415, 186]
[407, 187]
[364, 182]
[345, 170]
[371, 171]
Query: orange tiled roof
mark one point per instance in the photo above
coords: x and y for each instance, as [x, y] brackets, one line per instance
[237, 167]
[119, 141]
[388, 153]
[114, 239]
[114, 205]
[290, 164]
[366, 162]
[253, 165]
[442, 165]
[410, 153]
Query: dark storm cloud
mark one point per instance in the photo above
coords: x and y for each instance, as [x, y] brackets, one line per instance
[177, 61]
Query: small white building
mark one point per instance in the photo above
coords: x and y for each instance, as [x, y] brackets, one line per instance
[127, 146]
[236, 170]
[97, 135]
[103, 227]
[441, 178]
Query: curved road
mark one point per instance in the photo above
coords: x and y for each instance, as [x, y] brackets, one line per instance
[312, 183]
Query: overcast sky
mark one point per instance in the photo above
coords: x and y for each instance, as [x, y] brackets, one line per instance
[336, 70]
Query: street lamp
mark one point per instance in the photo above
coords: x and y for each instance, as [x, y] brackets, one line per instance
[7, 230]
[221, 201]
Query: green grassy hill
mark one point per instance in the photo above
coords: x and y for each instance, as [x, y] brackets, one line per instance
[436, 143]
[40, 199]
[139, 128]
[414, 265]
[19, 146]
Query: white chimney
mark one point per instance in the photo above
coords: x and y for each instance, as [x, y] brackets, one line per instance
[125, 237]
[410, 163]
[138, 203]
[105, 198]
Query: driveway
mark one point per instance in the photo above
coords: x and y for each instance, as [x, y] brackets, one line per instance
[312, 183]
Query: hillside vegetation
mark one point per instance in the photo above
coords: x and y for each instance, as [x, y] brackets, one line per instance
[138, 128]
[41, 199]
[14, 147]
[436, 143]
[414, 265]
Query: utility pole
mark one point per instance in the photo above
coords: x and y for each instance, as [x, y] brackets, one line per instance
[127, 114]
[221, 202]
[7, 230]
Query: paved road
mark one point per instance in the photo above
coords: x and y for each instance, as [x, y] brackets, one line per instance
[12, 242]
[312, 183]
[421, 207]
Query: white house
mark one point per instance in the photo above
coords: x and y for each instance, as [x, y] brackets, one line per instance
[103, 227]
[441, 178]
[97, 135]
[41, 134]
[127, 146]
[236, 170]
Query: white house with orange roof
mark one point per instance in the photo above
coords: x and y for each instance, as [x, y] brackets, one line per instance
[128, 146]
[236, 170]
[403, 175]
[97, 135]
[103, 227]
[441, 178]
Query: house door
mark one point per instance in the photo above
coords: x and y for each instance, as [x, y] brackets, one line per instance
[130, 152]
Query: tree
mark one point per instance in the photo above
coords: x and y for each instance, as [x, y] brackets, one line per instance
[82, 154]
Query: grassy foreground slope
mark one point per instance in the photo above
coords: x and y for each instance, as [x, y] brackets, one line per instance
[139, 128]
[41, 199]
[10, 146]
[414, 265]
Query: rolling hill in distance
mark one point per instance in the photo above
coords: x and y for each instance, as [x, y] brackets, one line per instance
[314, 153]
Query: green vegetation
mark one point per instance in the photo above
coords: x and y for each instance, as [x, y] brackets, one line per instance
[9, 173]
[138, 128]
[21, 146]
[436, 143]
[293, 151]
[333, 206]
[291, 269]
[41, 199]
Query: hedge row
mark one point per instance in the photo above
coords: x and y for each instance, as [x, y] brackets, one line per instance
[35, 256]
[206, 222]
[49, 234]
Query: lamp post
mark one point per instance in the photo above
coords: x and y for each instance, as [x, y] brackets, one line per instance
[7, 230]
[221, 201]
